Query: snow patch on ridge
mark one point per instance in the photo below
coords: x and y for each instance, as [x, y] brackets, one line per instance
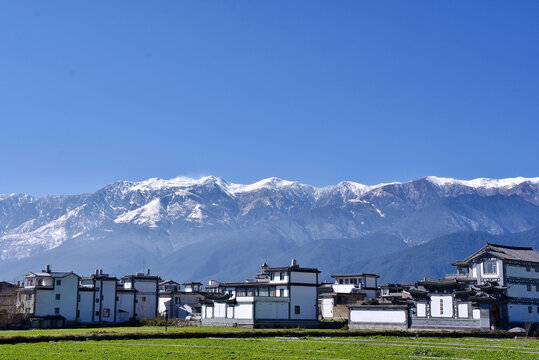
[149, 214]
[482, 182]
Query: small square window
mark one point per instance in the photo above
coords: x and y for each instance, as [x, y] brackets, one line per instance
[58, 282]
[537, 288]
[528, 287]
[97, 301]
[56, 311]
[106, 313]
[281, 292]
[530, 309]
[297, 309]
[528, 268]
[144, 298]
[57, 296]
[97, 313]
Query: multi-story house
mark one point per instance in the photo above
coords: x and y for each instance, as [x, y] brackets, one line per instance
[347, 289]
[364, 283]
[97, 298]
[8, 303]
[178, 303]
[280, 296]
[495, 287]
[49, 298]
[146, 292]
[516, 269]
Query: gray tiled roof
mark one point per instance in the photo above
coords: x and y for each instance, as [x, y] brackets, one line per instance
[508, 253]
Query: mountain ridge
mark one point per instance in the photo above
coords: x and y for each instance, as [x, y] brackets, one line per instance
[166, 216]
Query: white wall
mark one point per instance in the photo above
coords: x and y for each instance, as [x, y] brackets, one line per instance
[85, 306]
[276, 279]
[243, 311]
[125, 303]
[303, 277]
[164, 303]
[219, 310]
[519, 313]
[306, 297]
[108, 301]
[326, 306]
[370, 282]
[421, 310]
[447, 305]
[513, 270]
[378, 316]
[271, 309]
[521, 290]
[462, 310]
[46, 299]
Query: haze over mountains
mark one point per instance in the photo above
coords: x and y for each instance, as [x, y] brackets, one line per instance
[190, 229]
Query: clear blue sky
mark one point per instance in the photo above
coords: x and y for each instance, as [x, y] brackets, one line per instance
[314, 91]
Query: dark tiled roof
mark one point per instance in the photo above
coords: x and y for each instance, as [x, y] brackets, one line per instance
[526, 254]
[355, 275]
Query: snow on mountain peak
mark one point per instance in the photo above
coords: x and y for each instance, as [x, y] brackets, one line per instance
[149, 214]
[482, 182]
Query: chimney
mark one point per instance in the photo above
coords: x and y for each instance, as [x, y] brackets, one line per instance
[100, 271]
[148, 272]
[48, 269]
[294, 263]
[97, 271]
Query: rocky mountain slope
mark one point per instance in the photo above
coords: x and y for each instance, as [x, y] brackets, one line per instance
[203, 228]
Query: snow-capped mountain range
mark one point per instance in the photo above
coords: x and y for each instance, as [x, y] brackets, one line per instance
[207, 216]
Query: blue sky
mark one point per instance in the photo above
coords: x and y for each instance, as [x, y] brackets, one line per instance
[314, 91]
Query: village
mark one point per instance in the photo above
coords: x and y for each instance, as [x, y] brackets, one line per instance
[497, 287]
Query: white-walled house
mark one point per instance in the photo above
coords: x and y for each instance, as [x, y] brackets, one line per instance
[365, 283]
[279, 297]
[495, 287]
[146, 292]
[347, 289]
[178, 303]
[511, 267]
[97, 298]
[49, 298]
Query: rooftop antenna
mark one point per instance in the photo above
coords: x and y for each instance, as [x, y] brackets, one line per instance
[143, 264]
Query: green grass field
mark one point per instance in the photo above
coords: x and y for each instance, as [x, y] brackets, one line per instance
[315, 347]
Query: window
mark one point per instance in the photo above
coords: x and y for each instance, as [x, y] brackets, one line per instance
[144, 298]
[28, 296]
[441, 307]
[528, 287]
[528, 268]
[58, 282]
[272, 276]
[177, 300]
[30, 282]
[97, 301]
[346, 281]
[97, 313]
[281, 276]
[537, 288]
[57, 296]
[490, 267]
[117, 298]
[106, 313]
[251, 292]
[297, 309]
[240, 292]
[56, 311]
[530, 310]
[281, 292]
[341, 281]
[263, 292]
[537, 269]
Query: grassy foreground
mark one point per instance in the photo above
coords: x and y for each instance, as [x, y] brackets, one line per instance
[374, 347]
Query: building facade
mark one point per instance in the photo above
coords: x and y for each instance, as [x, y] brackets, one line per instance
[279, 297]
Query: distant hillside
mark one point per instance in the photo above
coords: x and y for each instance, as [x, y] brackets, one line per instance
[434, 259]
